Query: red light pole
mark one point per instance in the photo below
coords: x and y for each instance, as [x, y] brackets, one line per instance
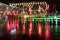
[47, 31]
[47, 9]
[9, 21]
[30, 22]
[40, 25]
[23, 21]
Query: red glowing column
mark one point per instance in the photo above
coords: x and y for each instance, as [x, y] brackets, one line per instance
[47, 32]
[40, 10]
[40, 28]
[40, 23]
[23, 28]
[30, 10]
[17, 23]
[23, 20]
[16, 20]
[47, 9]
[8, 26]
[9, 21]
[30, 28]
[30, 22]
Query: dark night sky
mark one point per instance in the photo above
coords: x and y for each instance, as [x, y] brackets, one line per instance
[15, 1]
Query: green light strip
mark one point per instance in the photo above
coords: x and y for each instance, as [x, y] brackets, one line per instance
[46, 18]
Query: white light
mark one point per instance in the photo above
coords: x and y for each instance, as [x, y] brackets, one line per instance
[56, 11]
[33, 3]
[18, 3]
[55, 17]
[29, 3]
[22, 3]
[26, 3]
[12, 6]
[45, 2]
[14, 3]
[32, 19]
[13, 31]
[38, 2]
[42, 2]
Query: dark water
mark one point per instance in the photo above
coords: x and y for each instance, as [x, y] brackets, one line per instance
[54, 36]
[22, 37]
